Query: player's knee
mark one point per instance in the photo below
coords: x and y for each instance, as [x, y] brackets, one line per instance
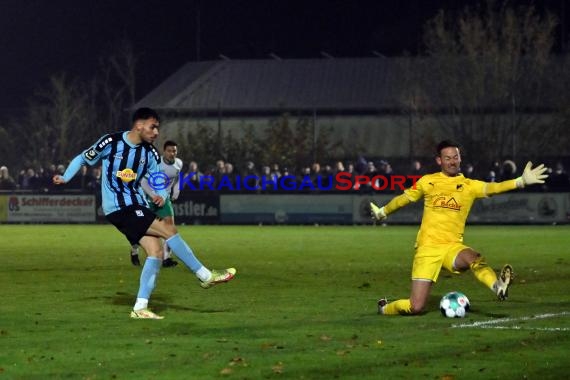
[168, 230]
[478, 262]
[418, 306]
[466, 259]
[157, 253]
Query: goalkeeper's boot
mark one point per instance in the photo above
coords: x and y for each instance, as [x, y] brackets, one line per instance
[144, 314]
[504, 282]
[218, 277]
[381, 303]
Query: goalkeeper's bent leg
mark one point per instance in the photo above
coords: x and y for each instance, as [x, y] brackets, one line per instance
[483, 273]
[399, 307]
[415, 304]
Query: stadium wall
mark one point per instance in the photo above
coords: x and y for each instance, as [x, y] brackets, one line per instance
[47, 208]
[213, 208]
[511, 208]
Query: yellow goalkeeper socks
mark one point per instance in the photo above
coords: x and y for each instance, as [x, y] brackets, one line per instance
[483, 273]
[399, 307]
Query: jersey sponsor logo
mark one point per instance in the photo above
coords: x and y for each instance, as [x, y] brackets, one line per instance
[126, 175]
[118, 156]
[443, 202]
[90, 154]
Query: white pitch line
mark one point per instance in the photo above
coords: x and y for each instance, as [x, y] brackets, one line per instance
[525, 328]
[491, 323]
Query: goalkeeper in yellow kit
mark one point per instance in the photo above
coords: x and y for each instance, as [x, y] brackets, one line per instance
[448, 197]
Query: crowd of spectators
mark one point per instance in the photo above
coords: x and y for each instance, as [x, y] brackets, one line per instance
[40, 179]
[251, 178]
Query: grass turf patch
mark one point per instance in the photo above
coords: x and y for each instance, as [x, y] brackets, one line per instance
[303, 305]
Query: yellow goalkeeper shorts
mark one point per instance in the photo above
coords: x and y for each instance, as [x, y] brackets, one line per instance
[429, 260]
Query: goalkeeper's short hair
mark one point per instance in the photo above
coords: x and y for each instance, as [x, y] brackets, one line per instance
[446, 144]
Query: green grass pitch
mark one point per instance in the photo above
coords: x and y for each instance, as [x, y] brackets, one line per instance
[303, 306]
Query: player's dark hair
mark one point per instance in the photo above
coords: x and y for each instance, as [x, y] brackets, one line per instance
[145, 113]
[168, 143]
[446, 144]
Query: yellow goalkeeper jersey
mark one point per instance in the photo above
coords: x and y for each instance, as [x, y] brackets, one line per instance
[447, 201]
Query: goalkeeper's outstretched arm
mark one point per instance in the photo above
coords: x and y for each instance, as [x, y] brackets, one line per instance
[529, 176]
[381, 213]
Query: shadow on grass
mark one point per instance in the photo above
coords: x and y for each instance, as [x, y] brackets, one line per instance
[162, 303]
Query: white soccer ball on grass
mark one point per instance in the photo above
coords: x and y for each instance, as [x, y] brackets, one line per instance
[454, 305]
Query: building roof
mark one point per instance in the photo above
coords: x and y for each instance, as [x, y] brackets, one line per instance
[338, 85]
[350, 84]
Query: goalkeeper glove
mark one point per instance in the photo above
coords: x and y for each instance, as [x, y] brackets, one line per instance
[532, 176]
[377, 213]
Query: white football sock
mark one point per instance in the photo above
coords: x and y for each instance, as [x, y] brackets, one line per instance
[141, 303]
[204, 274]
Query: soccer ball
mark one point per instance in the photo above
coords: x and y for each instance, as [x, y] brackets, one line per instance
[454, 305]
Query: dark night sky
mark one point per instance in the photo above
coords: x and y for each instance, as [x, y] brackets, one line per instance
[39, 38]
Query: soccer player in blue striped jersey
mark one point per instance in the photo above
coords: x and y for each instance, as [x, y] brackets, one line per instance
[126, 158]
[170, 166]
